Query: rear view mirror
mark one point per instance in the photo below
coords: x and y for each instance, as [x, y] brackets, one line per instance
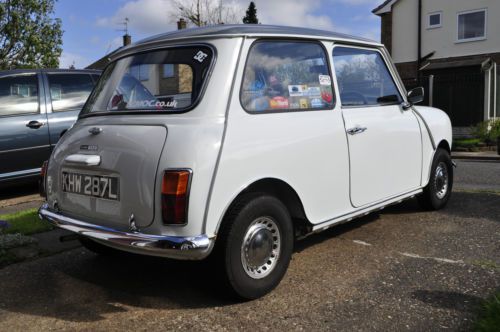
[416, 95]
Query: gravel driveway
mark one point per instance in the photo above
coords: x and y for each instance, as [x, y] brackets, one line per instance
[402, 269]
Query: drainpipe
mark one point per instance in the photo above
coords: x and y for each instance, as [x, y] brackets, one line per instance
[419, 48]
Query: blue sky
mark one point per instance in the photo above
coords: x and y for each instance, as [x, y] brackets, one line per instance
[91, 27]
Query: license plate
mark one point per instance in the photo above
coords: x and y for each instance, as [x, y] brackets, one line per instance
[107, 187]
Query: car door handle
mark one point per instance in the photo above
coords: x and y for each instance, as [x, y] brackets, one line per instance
[356, 130]
[83, 159]
[34, 124]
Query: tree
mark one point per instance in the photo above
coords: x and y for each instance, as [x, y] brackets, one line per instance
[251, 15]
[29, 36]
[204, 12]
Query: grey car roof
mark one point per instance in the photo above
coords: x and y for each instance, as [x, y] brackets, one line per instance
[49, 70]
[238, 30]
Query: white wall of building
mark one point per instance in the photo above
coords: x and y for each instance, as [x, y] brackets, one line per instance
[442, 40]
[404, 31]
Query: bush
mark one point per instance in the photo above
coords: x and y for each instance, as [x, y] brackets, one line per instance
[489, 319]
[487, 131]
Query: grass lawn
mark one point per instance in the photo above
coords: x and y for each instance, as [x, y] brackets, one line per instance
[25, 222]
[466, 142]
[489, 320]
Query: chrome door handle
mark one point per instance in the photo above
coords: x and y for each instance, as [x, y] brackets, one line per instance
[34, 124]
[356, 130]
[83, 159]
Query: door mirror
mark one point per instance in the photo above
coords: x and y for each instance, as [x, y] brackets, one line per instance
[416, 95]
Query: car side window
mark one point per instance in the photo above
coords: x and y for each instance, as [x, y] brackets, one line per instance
[69, 92]
[18, 94]
[283, 76]
[363, 78]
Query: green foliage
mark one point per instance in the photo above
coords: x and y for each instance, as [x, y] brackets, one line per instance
[26, 223]
[29, 36]
[489, 319]
[467, 142]
[487, 131]
[251, 15]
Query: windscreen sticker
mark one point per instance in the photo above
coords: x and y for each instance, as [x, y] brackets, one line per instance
[303, 103]
[316, 103]
[200, 56]
[297, 90]
[325, 80]
[279, 102]
[314, 91]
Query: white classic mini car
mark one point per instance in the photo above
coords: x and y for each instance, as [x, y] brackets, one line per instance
[232, 141]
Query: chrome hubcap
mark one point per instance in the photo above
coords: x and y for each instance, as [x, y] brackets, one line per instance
[261, 247]
[441, 180]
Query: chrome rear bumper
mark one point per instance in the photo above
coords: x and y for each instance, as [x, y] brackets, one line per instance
[196, 247]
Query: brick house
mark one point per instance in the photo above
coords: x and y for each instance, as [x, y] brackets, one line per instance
[452, 48]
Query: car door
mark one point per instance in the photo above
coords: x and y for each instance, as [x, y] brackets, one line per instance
[67, 93]
[384, 140]
[24, 136]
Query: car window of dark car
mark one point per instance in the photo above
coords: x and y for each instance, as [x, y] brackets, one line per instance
[18, 94]
[69, 92]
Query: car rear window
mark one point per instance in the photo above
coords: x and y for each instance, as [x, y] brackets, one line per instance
[169, 80]
[284, 76]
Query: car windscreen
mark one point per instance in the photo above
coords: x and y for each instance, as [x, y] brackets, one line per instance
[168, 80]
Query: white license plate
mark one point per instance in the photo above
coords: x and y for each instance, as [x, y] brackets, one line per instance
[107, 187]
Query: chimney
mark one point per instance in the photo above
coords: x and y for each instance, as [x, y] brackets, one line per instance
[181, 24]
[127, 39]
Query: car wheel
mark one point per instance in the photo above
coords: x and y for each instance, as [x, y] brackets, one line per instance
[96, 247]
[438, 191]
[255, 245]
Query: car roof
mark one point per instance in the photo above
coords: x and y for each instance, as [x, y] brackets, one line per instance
[241, 30]
[49, 70]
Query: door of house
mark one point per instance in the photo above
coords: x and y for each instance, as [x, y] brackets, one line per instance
[460, 93]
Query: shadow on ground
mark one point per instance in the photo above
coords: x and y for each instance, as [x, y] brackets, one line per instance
[82, 287]
[18, 189]
[448, 300]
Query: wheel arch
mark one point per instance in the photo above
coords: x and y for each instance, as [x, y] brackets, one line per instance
[444, 144]
[282, 191]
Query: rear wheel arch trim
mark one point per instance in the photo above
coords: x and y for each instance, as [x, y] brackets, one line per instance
[263, 185]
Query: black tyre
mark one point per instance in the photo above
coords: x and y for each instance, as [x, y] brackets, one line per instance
[255, 245]
[96, 247]
[438, 191]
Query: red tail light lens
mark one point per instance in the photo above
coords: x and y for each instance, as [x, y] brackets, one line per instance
[174, 196]
[41, 182]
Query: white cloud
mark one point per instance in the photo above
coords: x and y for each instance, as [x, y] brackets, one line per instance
[149, 17]
[295, 13]
[145, 17]
[67, 59]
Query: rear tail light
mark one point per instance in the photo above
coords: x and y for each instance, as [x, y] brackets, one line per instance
[41, 182]
[174, 196]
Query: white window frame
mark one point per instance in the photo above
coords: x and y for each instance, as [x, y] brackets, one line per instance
[485, 10]
[435, 26]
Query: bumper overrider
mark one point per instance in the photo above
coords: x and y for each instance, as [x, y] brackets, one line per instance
[196, 247]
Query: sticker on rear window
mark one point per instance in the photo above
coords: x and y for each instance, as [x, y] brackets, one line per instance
[325, 80]
[200, 56]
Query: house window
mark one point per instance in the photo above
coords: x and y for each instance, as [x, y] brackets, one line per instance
[472, 25]
[434, 20]
[168, 70]
[141, 72]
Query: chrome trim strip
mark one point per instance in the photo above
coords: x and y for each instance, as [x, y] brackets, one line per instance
[363, 211]
[83, 159]
[28, 148]
[194, 247]
[28, 172]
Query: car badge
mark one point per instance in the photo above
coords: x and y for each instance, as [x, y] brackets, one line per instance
[95, 130]
[89, 147]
